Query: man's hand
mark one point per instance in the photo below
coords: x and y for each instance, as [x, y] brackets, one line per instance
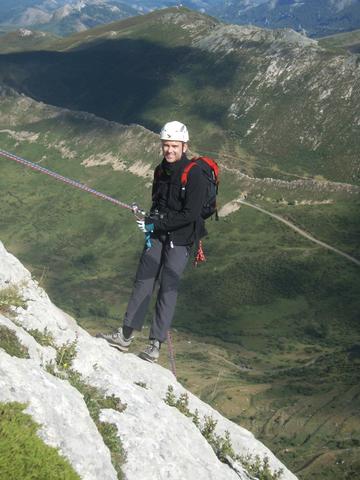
[146, 228]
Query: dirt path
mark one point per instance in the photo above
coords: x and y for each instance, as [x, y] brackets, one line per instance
[229, 362]
[302, 232]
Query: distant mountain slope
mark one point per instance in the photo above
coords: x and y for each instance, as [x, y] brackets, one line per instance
[64, 18]
[349, 41]
[316, 18]
[274, 96]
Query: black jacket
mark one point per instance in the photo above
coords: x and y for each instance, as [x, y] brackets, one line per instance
[173, 213]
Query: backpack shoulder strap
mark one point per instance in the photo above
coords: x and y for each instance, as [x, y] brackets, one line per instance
[185, 173]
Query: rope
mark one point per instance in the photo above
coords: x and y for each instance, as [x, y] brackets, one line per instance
[61, 178]
[73, 183]
[171, 353]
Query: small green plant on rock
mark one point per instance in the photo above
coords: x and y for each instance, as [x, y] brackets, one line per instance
[45, 338]
[11, 344]
[66, 354]
[182, 403]
[222, 445]
[10, 297]
[259, 467]
[95, 401]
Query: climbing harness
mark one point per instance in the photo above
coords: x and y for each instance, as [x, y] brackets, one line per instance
[138, 212]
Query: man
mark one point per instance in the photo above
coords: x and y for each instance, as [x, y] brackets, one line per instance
[171, 228]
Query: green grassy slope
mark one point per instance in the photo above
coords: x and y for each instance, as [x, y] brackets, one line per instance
[266, 299]
[348, 40]
[24, 40]
[270, 95]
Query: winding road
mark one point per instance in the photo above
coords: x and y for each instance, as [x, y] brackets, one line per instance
[301, 232]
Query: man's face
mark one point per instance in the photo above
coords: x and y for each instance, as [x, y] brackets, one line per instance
[173, 150]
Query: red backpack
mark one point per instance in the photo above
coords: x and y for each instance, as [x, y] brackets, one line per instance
[210, 171]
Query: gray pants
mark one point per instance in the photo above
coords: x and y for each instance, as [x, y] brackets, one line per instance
[163, 263]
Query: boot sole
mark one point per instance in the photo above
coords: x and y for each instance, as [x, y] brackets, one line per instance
[118, 347]
[143, 356]
[113, 344]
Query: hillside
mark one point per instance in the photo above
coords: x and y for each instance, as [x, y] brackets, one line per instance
[349, 41]
[270, 99]
[315, 18]
[24, 39]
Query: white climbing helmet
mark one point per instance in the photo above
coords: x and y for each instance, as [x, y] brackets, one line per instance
[174, 131]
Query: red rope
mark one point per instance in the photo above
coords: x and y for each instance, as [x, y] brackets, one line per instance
[171, 353]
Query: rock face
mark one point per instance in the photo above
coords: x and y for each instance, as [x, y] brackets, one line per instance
[160, 442]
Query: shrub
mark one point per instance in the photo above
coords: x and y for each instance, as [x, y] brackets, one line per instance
[260, 467]
[11, 297]
[45, 338]
[66, 354]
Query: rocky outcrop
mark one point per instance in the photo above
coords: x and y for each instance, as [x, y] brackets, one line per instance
[160, 442]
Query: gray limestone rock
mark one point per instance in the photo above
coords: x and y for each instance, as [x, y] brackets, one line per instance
[160, 442]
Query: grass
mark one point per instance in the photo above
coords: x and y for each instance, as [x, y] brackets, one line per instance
[23, 454]
[11, 344]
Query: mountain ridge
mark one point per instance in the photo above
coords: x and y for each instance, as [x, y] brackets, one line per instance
[282, 94]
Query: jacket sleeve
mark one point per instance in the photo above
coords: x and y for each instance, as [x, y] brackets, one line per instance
[194, 199]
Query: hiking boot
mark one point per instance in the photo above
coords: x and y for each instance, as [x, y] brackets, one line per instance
[152, 352]
[117, 340]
